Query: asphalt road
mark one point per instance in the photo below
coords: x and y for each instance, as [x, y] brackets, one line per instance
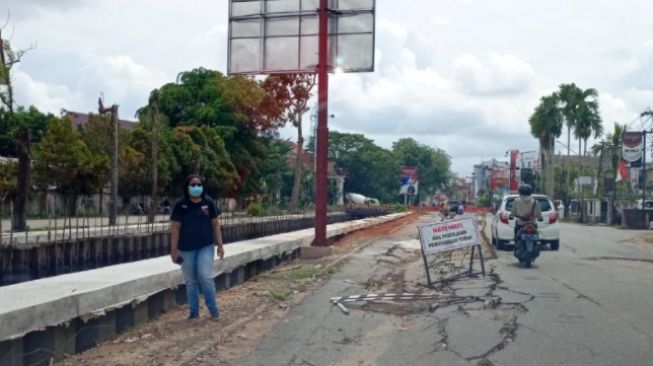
[587, 304]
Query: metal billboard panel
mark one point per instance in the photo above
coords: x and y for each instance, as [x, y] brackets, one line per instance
[281, 36]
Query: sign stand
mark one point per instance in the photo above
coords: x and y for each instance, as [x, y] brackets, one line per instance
[450, 235]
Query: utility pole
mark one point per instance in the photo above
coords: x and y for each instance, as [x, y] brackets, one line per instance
[647, 113]
[322, 129]
[155, 156]
[113, 202]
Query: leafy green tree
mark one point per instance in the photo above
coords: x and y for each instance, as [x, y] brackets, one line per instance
[32, 118]
[9, 57]
[7, 183]
[64, 160]
[7, 178]
[97, 135]
[233, 107]
[433, 164]
[201, 150]
[268, 179]
[546, 125]
[610, 146]
[614, 138]
[140, 140]
[371, 170]
[289, 93]
[132, 175]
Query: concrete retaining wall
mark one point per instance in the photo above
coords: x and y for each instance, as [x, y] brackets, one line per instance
[29, 261]
[66, 314]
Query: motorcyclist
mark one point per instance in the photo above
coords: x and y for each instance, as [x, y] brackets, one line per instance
[525, 208]
[445, 209]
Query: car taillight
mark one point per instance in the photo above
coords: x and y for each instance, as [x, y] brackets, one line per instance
[553, 218]
[529, 229]
[504, 218]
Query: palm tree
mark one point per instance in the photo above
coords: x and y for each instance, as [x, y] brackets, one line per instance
[546, 125]
[615, 141]
[567, 98]
[588, 123]
[581, 111]
[611, 145]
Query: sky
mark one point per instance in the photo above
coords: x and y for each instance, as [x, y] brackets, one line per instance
[460, 75]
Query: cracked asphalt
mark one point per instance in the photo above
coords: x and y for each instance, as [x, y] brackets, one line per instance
[587, 304]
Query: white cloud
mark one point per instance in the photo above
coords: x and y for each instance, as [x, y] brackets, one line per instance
[441, 21]
[20, 9]
[47, 97]
[501, 74]
[126, 78]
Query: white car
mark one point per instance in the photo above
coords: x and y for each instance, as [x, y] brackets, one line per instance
[503, 224]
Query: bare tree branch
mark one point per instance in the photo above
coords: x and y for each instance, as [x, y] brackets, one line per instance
[6, 21]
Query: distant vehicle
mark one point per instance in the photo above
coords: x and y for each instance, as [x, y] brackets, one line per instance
[503, 224]
[647, 206]
[359, 199]
[456, 207]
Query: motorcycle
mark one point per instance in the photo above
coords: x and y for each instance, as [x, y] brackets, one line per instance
[527, 246]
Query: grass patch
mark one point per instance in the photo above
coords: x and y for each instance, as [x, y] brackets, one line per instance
[332, 270]
[649, 239]
[279, 295]
[300, 273]
[303, 272]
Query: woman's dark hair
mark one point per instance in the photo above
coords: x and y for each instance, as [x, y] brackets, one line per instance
[187, 182]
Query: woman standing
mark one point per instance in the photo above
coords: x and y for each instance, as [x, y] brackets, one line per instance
[195, 231]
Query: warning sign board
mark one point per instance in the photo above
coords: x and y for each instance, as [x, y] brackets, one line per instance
[445, 236]
[448, 235]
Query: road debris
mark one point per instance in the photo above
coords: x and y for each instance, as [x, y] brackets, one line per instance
[341, 307]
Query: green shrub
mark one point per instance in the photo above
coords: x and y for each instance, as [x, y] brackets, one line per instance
[484, 201]
[399, 208]
[255, 209]
[273, 211]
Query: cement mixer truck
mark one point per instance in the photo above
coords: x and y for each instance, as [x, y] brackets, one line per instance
[359, 199]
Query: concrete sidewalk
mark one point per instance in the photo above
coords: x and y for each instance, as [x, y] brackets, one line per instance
[43, 305]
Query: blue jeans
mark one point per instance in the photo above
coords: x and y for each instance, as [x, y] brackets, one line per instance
[198, 274]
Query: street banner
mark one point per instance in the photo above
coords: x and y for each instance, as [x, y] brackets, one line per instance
[622, 172]
[409, 178]
[448, 235]
[631, 150]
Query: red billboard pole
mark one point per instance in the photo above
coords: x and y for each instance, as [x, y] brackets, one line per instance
[514, 184]
[322, 129]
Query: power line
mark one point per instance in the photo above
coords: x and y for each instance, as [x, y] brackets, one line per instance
[639, 119]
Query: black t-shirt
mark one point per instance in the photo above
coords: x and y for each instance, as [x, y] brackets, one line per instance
[195, 218]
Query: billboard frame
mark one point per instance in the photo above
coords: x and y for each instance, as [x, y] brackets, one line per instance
[301, 13]
[321, 69]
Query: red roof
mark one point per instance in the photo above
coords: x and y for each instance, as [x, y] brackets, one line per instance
[308, 159]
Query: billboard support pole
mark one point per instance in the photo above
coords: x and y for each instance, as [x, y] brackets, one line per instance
[644, 177]
[322, 129]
